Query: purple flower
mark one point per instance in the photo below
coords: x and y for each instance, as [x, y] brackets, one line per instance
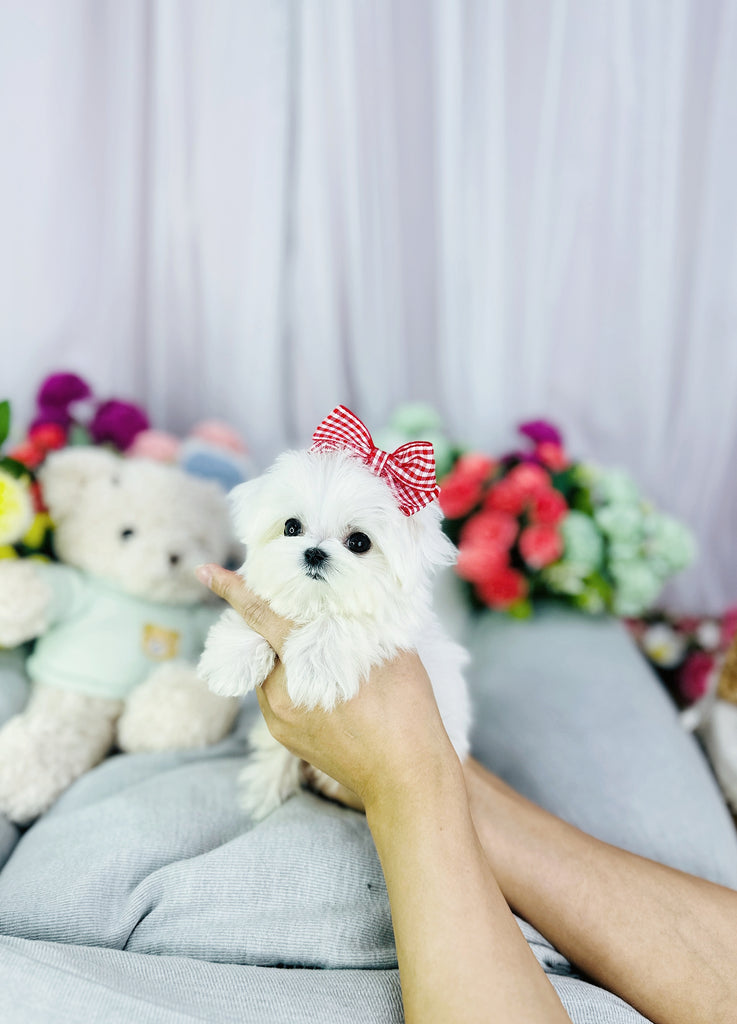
[61, 389]
[540, 431]
[118, 423]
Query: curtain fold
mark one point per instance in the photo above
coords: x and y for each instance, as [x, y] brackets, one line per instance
[509, 209]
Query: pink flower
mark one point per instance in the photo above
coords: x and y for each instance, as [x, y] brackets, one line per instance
[552, 456]
[221, 435]
[540, 545]
[548, 507]
[694, 676]
[502, 588]
[462, 488]
[155, 444]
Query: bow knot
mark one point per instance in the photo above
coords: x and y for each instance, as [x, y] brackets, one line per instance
[409, 471]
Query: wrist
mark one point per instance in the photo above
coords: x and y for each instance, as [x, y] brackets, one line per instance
[432, 789]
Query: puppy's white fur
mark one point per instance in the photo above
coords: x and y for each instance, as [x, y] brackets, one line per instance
[353, 612]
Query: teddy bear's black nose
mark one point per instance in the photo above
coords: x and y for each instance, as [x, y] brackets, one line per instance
[315, 557]
[174, 559]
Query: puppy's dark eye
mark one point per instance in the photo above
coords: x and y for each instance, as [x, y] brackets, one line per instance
[358, 542]
[292, 528]
[127, 533]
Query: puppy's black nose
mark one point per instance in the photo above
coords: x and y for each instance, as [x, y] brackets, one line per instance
[315, 557]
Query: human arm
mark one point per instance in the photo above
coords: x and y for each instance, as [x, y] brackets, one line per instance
[461, 955]
[661, 939]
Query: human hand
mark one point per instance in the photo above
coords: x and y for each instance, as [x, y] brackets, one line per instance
[386, 740]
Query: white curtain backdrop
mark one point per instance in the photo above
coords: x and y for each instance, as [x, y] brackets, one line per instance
[259, 210]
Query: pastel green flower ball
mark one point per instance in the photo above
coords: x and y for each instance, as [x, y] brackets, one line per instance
[615, 486]
[621, 521]
[669, 545]
[636, 587]
[583, 544]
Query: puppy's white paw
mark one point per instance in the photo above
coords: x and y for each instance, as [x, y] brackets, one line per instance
[235, 659]
[270, 777]
[322, 668]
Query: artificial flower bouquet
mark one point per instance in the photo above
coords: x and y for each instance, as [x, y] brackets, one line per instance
[66, 414]
[685, 651]
[24, 524]
[535, 524]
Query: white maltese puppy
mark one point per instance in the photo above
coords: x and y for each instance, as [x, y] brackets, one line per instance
[343, 540]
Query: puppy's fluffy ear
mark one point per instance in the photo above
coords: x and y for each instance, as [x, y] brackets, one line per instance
[415, 562]
[66, 473]
[243, 501]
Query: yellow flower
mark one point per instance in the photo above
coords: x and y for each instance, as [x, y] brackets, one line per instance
[34, 538]
[16, 508]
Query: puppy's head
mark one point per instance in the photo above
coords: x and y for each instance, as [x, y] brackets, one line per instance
[323, 533]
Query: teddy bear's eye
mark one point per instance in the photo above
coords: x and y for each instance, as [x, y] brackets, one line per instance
[358, 543]
[292, 528]
[127, 533]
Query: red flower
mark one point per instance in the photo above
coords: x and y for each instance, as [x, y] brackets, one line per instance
[529, 478]
[29, 454]
[484, 544]
[548, 507]
[502, 588]
[37, 497]
[489, 529]
[48, 436]
[540, 545]
[552, 456]
[477, 563]
[523, 484]
[505, 497]
[461, 490]
[694, 676]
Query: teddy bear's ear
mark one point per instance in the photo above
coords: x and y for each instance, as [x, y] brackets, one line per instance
[66, 473]
[243, 501]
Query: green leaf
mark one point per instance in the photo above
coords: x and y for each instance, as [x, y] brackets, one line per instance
[14, 468]
[520, 609]
[4, 421]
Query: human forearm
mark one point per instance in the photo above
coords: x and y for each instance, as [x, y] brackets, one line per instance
[462, 957]
[660, 939]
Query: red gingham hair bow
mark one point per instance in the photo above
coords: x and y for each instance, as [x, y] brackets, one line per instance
[409, 471]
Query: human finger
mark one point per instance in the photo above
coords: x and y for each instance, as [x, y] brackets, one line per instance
[256, 613]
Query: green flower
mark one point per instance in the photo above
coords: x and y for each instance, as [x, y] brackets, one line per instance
[583, 543]
[669, 545]
[563, 578]
[620, 522]
[635, 587]
[416, 421]
[614, 486]
[591, 601]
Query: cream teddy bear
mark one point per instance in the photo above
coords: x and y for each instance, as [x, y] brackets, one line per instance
[119, 622]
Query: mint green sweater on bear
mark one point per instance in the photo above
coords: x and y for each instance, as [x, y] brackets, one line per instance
[103, 642]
